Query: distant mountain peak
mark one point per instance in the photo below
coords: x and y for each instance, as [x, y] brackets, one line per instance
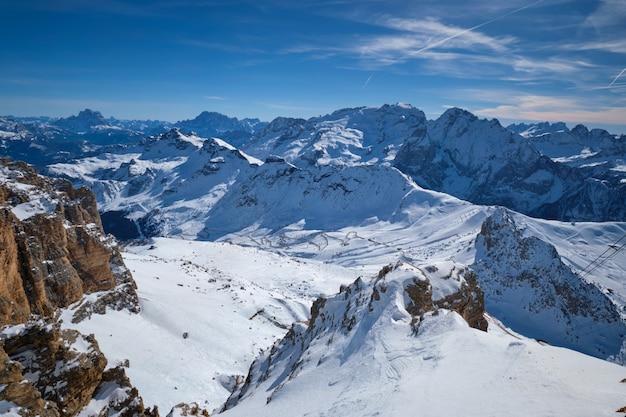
[213, 124]
[85, 121]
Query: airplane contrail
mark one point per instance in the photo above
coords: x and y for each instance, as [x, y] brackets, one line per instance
[456, 35]
[368, 80]
[616, 78]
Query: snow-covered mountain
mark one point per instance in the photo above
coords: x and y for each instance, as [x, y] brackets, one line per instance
[596, 153]
[44, 140]
[374, 213]
[532, 290]
[167, 189]
[85, 121]
[364, 352]
[213, 124]
[480, 161]
[547, 172]
[196, 188]
[346, 137]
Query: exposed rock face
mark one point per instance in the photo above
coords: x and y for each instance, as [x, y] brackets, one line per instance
[54, 249]
[23, 397]
[529, 288]
[353, 322]
[116, 396]
[63, 365]
[14, 306]
[53, 252]
[482, 162]
[53, 372]
[467, 300]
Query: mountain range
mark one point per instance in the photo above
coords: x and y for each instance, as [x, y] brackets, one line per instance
[368, 244]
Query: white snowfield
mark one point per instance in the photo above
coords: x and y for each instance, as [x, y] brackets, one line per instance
[210, 308]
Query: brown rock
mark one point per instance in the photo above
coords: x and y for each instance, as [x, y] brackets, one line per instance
[21, 392]
[51, 259]
[468, 301]
[184, 409]
[14, 306]
[130, 404]
[63, 366]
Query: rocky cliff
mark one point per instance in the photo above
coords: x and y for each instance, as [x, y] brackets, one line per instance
[54, 249]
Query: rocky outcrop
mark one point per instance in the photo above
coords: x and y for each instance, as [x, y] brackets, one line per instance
[21, 397]
[56, 373]
[115, 395]
[531, 290]
[354, 322]
[53, 253]
[184, 409]
[467, 300]
[64, 366]
[54, 248]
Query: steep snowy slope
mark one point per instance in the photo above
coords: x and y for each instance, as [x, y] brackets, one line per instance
[535, 287]
[209, 308]
[319, 198]
[364, 354]
[206, 311]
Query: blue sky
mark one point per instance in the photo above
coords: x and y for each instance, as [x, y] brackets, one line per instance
[552, 60]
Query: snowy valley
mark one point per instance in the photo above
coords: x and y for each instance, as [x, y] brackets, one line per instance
[366, 262]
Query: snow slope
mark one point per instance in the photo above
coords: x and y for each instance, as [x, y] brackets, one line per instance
[206, 311]
[234, 301]
[383, 366]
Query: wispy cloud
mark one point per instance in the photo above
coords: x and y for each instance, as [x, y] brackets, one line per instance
[417, 38]
[437, 47]
[470, 35]
[214, 98]
[608, 14]
[553, 108]
[614, 45]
